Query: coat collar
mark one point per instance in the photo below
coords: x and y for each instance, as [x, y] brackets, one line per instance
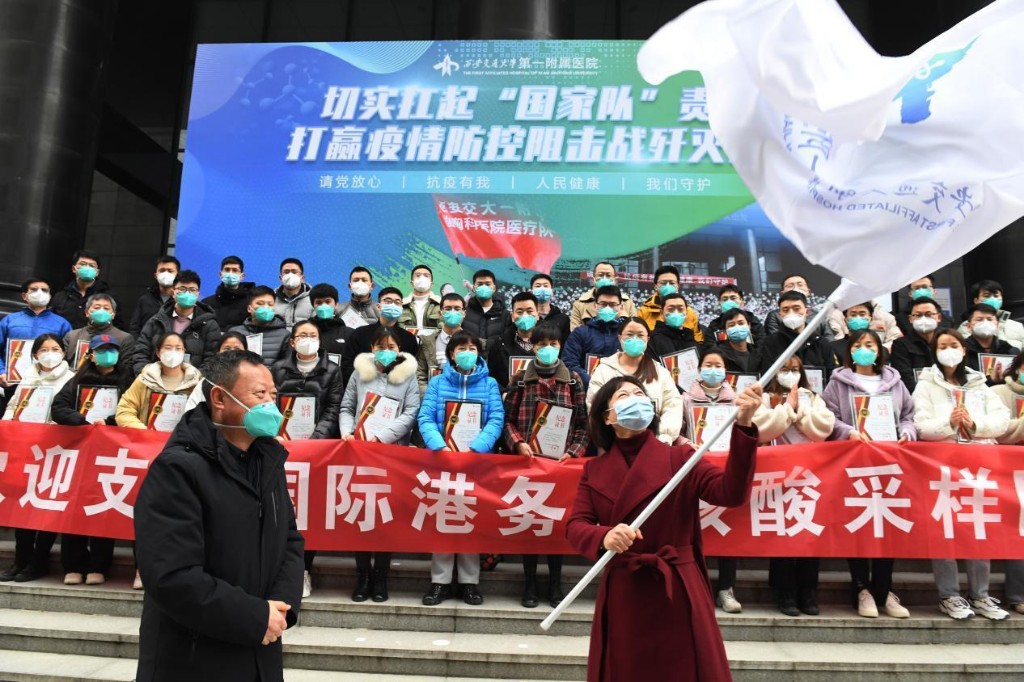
[562, 373]
[631, 486]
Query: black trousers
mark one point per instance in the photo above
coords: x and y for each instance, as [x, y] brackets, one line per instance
[83, 554]
[792, 575]
[726, 573]
[32, 548]
[873, 575]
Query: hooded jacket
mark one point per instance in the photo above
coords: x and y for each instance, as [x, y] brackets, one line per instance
[230, 306]
[275, 337]
[324, 382]
[593, 338]
[133, 408]
[451, 384]
[56, 378]
[293, 308]
[844, 384]
[668, 405]
[365, 309]
[398, 383]
[201, 337]
[212, 549]
[333, 335]
[933, 406]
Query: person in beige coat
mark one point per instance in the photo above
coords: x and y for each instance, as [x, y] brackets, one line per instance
[881, 320]
[170, 375]
[792, 413]
[983, 418]
[585, 307]
[634, 361]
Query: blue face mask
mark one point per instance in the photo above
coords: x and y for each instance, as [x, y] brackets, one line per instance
[607, 314]
[260, 421]
[666, 289]
[996, 303]
[453, 318]
[923, 292]
[604, 282]
[186, 299]
[863, 357]
[105, 357]
[385, 357]
[634, 412]
[729, 305]
[87, 273]
[100, 317]
[543, 294]
[526, 322]
[712, 376]
[391, 311]
[484, 292]
[634, 347]
[738, 334]
[324, 311]
[231, 279]
[856, 324]
[675, 320]
[466, 359]
[264, 313]
[547, 355]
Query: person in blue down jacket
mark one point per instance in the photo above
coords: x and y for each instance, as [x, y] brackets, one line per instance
[464, 379]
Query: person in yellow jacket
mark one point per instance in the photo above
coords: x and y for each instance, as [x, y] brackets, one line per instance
[585, 307]
[666, 281]
[169, 375]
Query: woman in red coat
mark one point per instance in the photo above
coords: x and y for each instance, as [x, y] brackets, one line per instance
[655, 615]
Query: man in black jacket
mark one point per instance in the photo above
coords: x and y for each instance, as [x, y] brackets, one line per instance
[69, 302]
[730, 297]
[921, 288]
[669, 335]
[913, 351]
[184, 315]
[792, 313]
[334, 332]
[230, 303]
[486, 315]
[514, 342]
[156, 295]
[216, 538]
[543, 288]
[389, 306]
[983, 323]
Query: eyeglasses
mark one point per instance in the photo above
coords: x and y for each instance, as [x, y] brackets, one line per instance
[918, 316]
[187, 290]
[393, 301]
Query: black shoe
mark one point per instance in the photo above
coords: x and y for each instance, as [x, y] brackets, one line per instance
[808, 602]
[438, 593]
[530, 599]
[787, 605]
[362, 591]
[555, 594]
[471, 595]
[9, 575]
[29, 574]
[380, 585]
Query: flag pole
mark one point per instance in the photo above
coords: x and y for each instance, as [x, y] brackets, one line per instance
[653, 505]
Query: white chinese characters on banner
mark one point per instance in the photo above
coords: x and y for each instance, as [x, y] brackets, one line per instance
[52, 477]
[711, 517]
[449, 502]
[785, 505]
[296, 476]
[947, 503]
[529, 510]
[348, 498]
[117, 501]
[878, 499]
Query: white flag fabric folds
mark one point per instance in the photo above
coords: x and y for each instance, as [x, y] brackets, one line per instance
[881, 169]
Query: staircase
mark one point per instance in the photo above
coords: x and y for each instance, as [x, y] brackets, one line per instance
[52, 632]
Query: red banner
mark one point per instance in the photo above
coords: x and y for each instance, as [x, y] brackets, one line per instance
[843, 499]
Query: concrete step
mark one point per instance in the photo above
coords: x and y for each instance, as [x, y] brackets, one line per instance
[96, 640]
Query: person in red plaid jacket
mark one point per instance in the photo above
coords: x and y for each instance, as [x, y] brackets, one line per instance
[545, 415]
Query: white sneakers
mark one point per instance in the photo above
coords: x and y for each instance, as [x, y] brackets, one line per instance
[307, 585]
[727, 601]
[137, 583]
[866, 605]
[72, 578]
[95, 579]
[893, 607]
[956, 607]
[989, 608]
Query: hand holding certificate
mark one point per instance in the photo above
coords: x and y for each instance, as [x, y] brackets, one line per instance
[875, 417]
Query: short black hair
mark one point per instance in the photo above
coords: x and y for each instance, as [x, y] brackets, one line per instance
[666, 270]
[541, 275]
[605, 262]
[459, 338]
[29, 282]
[453, 297]
[422, 266]
[222, 369]
[286, 261]
[232, 260]
[982, 308]
[929, 277]
[792, 295]
[730, 287]
[299, 323]
[389, 290]
[359, 268]
[610, 290]
[43, 338]
[603, 434]
[323, 290]
[260, 290]
[163, 338]
[85, 253]
[867, 304]
[986, 285]
[484, 273]
[162, 260]
[733, 314]
[666, 299]
[924, 300]
[523, 296]
[188, 277]
[546, 331]
[713, 350]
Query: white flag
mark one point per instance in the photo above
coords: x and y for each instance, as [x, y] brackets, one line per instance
[881, 169]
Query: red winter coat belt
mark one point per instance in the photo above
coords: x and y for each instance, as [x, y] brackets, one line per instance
[664, 561]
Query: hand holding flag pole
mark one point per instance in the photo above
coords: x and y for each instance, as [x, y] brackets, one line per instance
[809, 330]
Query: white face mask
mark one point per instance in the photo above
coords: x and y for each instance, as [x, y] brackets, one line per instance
[165, 279]
[985, 329]
[950, 357]
[788, 379]
[50, 359]
[307, 346]
[38, 298]
[360, 288]
[794, 321]
[421, 283]
[291, 280]
[925, 325]
[172, 358]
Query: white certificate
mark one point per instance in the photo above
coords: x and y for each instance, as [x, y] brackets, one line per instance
[81, 348]
[19, 359]
[987, 363]
[816, 379]
[974, 401]
[299, 416]
[254, 342]
[377, 413]
[463, 422]
[707, 417]
[32, 404]
[518, 363]
[741, 381]
[684, 367]
[353, 319]
[165, 411]
[549, 435]
[874, 416]
[335, 358]
[97, 403]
